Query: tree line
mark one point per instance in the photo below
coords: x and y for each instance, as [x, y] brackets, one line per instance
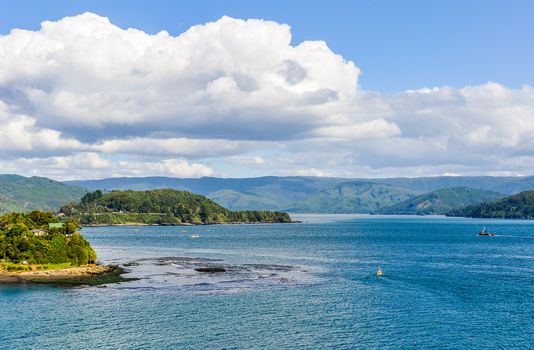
[162, 206]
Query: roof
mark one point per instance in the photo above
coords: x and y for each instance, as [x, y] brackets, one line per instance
[56, 225]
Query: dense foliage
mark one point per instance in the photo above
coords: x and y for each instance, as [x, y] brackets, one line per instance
[163, 206]
[518, 206]
[60, 245]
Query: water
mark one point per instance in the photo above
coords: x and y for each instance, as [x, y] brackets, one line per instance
[293, 286]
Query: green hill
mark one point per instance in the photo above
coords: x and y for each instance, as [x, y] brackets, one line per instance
[353, 197]
[517, 206]
[162, 206]
[304, 193]
[19, 193]
[441, 201]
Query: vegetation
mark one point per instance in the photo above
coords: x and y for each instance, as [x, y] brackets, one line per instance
[441, 201]
[518, 206]
[301, 194]
[61, 246]
[294, 194]
[159, 207]
[353, 197]
[21, 194]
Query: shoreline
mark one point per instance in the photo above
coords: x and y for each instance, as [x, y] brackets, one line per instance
[190, 224]
[89, 275]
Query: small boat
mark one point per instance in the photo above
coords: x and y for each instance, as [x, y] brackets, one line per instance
[379, 271]
[194, 235]
[486, 233]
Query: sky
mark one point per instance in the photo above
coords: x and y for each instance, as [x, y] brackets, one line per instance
[92, 89]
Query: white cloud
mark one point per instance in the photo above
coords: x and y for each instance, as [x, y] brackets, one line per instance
[91, 165]
[84, 74]
[20, 134]
[83, 93]
[374, 129]
[193, 148]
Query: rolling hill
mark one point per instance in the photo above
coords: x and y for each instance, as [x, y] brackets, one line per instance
[353, 197]
[19, 193]
[313, 194]
[298, 194]
[262, 193]
[441, 201]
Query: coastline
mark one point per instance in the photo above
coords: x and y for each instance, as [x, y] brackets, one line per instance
[190, 224]
[89, 275]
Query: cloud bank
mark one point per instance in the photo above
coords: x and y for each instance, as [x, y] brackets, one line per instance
[83, 98]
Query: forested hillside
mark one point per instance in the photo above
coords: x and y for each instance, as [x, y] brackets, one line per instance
[518, 206]
[441, 201]
[162, 206]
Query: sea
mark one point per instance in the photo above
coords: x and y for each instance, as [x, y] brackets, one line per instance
[308, 285]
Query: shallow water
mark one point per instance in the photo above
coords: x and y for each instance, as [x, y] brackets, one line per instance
[309, 285]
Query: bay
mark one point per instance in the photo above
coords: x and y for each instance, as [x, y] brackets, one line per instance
[285, 286]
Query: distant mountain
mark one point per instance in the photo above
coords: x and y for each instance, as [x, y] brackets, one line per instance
[441, 201]
[353, 197]
[19, 193]
[262, 193]
[499, 184]
[294, 193]
[518, 206]
[307, 194]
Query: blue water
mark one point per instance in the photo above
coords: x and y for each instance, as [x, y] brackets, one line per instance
[291, 286]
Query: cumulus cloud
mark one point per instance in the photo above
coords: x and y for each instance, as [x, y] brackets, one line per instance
[82, 93]
[19, 134]
[87, 76]
[183, 147]
[91, 165]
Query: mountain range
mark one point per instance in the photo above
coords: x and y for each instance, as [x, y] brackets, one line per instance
[329, 195]
[425, 195]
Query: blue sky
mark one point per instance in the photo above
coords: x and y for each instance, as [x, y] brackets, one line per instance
[398, 45]
[92, 89]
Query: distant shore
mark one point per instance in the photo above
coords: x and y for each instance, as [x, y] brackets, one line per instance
[190, 224]
[72, 276]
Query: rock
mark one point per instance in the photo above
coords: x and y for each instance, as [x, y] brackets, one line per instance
[211, 269]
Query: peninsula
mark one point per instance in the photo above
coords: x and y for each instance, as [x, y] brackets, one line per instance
[36, 247]
[160, 207]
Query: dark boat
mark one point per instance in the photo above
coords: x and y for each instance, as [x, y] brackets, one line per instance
[485, 232]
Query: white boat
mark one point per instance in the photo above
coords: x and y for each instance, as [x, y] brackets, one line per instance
[194, 235]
